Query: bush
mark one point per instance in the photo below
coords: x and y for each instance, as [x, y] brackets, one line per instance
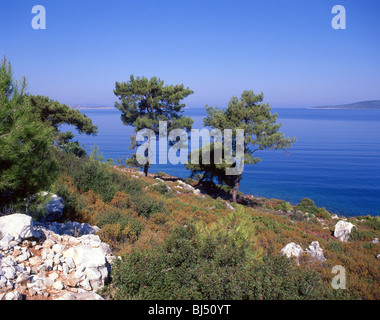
[118, 226]
[335, 246]
[307, 205]
[191, 266]
[161, 188]
[283, 206]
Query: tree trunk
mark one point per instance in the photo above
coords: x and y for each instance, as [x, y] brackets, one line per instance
[236, 188]
[146, 154]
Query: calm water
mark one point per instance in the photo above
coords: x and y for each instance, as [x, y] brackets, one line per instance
[335, 161]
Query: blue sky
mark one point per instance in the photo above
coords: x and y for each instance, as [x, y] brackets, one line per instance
[287, 49]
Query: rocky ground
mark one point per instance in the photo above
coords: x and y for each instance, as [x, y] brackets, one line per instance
[51, 261]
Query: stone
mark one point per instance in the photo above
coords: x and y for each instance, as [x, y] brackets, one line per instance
[87, 256]
[5, 243]
[35, 261]
[71, 281]
[292, 250]
[53, 276]
[10, 273]
[229, 206]
[23, 277]
[14, 295]
[86, 285]
[70, 262]
[80, 296]
[58, 285]
[342, 230]
[375, 241]
[316, 251]
[17, 224]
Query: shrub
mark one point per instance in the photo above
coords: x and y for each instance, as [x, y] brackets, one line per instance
[161, 188]
[190, 266]
[284, 206]
[335, 246]
[323, 213]
[307, 205]
[298, 216]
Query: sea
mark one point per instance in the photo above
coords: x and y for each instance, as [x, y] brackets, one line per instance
[335, 160]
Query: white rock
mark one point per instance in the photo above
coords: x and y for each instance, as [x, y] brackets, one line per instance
[17, 224]
[316, 251]
[58, 285]
[10, 273]
[87, 256]
[375, 241]
[229, 206]
[342, 230]
[53, 276]
[292, 250]
[86, 284]
[14, 295]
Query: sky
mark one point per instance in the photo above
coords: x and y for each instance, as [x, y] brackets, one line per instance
[286, 49]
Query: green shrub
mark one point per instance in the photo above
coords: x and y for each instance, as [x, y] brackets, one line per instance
[298, 216]
[362, 234]
[307, 205]
[323, 213]
[335, 246]
[283, 206]
[161, 188]
[191, 266]
[124, 220]
[147, 206]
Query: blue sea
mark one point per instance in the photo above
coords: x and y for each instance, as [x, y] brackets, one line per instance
[335, 160]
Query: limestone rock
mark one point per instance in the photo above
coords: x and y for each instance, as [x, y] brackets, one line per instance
[316, 251]
[17, 224]
[342, 230]
[292, 250]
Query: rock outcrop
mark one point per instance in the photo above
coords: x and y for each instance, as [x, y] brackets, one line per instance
[51, 260]
[342, 230]
[316, 251]
[294, 250]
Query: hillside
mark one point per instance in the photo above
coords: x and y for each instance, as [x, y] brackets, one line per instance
[365, 105]
[176, 241]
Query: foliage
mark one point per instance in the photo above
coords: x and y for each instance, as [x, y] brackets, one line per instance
[144, 102]
[261, 132]
[307, 205]
[283, 206]
[215, 268]
[55, 114]
[26, 163]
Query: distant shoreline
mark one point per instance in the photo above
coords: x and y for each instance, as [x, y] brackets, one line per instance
[362, 105]
[92, 108]
[337, 108]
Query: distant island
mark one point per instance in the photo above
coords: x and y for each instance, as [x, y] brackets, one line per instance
[79, 107]
[364, 105]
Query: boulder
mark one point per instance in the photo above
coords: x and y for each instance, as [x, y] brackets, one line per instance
[292, 250]
[342, 230]
[17, 225]
[316, 251]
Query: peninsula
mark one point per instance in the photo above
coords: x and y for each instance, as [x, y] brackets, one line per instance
[365, 105]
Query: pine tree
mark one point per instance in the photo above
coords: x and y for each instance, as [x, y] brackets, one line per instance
[261, 132]
[144, 102]
[26, 162]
